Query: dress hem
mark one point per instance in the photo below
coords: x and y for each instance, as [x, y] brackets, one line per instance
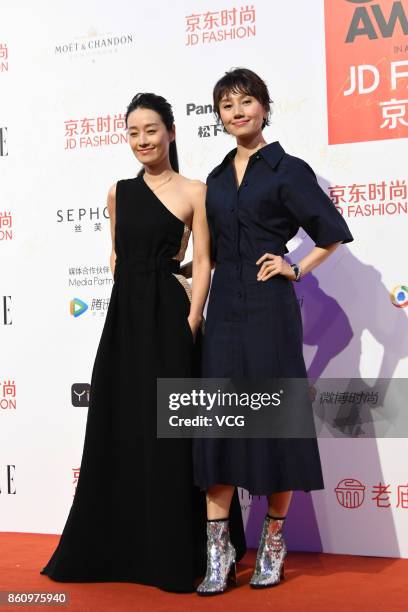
[263, 492]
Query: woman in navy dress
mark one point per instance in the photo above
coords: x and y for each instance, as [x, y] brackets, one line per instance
[257, 199]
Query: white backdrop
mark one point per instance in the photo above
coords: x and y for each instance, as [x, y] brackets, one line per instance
[67, 72]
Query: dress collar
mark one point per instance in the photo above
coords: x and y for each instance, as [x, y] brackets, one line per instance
[272, 153]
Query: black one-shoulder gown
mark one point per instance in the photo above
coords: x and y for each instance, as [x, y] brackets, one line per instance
[136, 515]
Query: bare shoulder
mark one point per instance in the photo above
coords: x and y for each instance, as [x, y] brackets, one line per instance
[194, 188]
[197, 185]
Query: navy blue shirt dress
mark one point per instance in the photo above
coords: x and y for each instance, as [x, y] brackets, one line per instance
[254, 328]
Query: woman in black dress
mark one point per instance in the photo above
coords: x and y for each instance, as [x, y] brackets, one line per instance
[256, 200]
[136, 515]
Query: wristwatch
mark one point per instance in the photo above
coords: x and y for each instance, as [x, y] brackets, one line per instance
[298, 272]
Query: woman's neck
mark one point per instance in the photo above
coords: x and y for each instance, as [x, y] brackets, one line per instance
[159, 169]
[248, 147]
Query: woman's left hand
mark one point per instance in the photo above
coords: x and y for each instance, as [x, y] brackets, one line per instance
[273, 265]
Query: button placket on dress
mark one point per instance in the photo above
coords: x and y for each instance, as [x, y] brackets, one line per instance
[240, 191]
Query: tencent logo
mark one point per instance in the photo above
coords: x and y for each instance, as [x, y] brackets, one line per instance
[77, 307]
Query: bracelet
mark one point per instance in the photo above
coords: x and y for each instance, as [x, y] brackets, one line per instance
[297, 270]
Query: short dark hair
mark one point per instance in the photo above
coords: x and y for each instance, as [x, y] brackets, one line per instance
[242, 80]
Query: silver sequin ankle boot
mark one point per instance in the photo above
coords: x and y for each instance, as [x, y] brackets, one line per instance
[220, 559]
[269, 566]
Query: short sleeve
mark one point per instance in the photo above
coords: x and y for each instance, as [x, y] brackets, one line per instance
[311, 207]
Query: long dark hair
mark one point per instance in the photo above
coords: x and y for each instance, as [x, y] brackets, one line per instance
[162, 108]
[242, 80]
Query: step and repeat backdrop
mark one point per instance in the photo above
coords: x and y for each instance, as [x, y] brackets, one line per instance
[338, 75]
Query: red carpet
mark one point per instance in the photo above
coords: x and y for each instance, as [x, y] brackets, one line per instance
[313, 582]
